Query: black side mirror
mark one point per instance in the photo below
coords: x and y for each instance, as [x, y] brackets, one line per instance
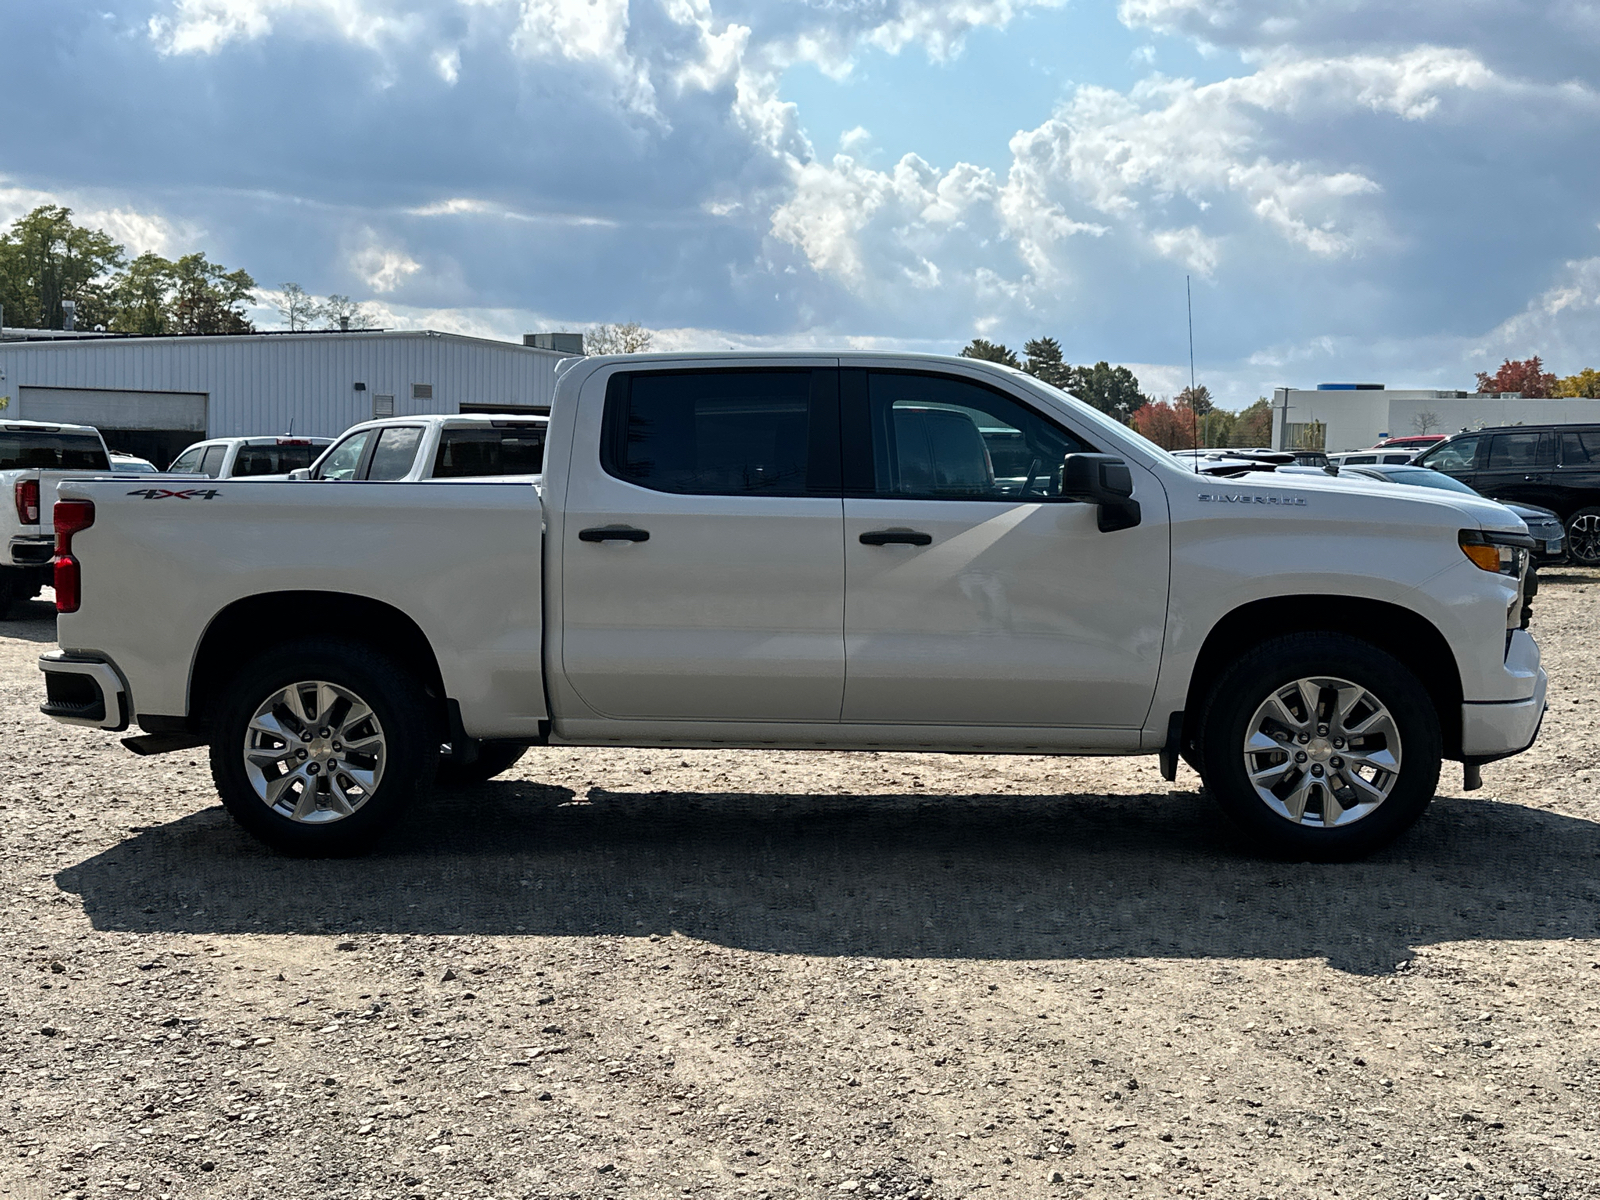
[1103, 480]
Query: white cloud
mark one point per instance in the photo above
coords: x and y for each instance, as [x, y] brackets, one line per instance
[383, 268]
[205, 26]
[137, 230]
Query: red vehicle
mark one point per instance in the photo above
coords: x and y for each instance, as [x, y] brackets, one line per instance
[1413, 441]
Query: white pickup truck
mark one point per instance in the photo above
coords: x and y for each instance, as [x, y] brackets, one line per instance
[34, 458]
[854, 551]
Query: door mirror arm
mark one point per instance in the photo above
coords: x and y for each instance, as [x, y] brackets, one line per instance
[1103, 480]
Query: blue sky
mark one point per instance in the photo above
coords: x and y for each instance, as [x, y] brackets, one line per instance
[1358, 190]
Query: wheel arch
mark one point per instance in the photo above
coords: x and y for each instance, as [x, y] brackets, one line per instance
[1398, 631]
[255, 624]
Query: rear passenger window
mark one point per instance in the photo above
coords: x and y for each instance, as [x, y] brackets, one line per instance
[1580, 447]
[1513, 451]
[724, 433]
[936, 437]
[395, 452]
[490, 450]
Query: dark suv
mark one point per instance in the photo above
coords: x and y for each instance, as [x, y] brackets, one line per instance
[1553, 466]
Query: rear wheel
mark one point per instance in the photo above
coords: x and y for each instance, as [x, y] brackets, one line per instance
[8, 590]
[494, 758]
[319, 746]
[1321, 746]
[1583, 537]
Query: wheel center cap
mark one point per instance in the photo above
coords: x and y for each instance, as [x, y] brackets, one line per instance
[1320, 749]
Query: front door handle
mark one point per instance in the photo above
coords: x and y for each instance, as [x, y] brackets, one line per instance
[614, 533]
[896, 537]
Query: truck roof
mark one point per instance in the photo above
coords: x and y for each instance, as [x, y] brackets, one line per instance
[46, 427]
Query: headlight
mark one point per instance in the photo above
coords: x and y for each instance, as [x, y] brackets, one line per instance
[1502, 553]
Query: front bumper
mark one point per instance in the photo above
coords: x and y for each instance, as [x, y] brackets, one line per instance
[1499, 730]
[83, 691]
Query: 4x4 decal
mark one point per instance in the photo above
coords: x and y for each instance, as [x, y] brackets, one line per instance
[184, 494]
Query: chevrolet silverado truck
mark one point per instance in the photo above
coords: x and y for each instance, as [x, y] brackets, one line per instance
[836, 552]
[34, 457]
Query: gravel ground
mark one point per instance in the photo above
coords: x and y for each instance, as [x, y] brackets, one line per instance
[796, 974]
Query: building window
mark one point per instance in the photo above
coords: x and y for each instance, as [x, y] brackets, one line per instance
[382, 406]
[422, 391]
[1305, 435]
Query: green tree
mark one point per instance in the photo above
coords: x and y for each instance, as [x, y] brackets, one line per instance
[1113, 390]
[209, 299]
[341, 312]
[44, 259]
[1253, 427]
[990, 352]
[1044, 362]
[142, 297]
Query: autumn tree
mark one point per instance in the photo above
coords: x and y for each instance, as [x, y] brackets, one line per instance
[629, 338]
[990, 352]
[1526, 376]
[1170, 426]
[1585, 384]
[46, 258]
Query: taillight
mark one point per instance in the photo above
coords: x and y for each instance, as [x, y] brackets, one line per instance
[27, 497]
[71, 516]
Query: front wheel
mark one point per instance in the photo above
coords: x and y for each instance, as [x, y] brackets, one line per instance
[318, 746]
[1321, 746]
[1583, 537]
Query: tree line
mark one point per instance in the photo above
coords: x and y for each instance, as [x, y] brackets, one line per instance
[46, 259]
[1528, 376]
[1188, 420]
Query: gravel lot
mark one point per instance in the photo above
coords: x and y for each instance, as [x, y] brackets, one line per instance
[798, 974]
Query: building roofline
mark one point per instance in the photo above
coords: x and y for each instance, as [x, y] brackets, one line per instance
[32, 339]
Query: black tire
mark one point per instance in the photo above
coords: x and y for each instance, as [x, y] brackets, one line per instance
[1583, 537]
[1277, 664]
[397, 700]
[494, 758]
[8, 591]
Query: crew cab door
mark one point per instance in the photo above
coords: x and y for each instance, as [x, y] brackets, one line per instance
[1518, 466]
[702, 570]
[974, 594]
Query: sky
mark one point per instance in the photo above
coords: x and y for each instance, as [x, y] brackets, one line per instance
[1353, 190]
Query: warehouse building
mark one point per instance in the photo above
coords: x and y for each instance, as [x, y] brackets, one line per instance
[154, 396]
[1353, 416]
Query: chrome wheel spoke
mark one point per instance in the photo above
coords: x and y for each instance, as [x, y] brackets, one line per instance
[308, 733]
[1300, 779]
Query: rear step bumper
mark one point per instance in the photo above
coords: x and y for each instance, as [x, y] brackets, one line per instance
[32, 551]
[83, 691]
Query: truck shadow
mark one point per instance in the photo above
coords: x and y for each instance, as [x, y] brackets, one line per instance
[30, 621]
[1011, 877]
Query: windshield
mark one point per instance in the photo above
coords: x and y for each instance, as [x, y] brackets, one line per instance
[34, 450]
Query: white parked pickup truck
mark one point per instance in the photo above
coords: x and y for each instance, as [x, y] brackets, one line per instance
[840, 552]
[34, 458]
[438, 446]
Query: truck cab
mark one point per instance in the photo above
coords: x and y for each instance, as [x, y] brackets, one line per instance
[34, 457]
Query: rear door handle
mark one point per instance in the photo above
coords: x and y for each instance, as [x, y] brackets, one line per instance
[614, 533]
[896, 537]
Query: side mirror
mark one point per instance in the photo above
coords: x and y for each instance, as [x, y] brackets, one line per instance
[1103, 480]
[300, 473]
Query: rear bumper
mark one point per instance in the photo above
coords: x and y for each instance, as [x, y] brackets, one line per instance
[83, 691]
[32, 551]
[1491, 731]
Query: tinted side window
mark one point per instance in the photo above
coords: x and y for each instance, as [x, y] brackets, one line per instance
[211, 464]
[271, 460]
[466, 452]
[395, 452]
[723, 433]
[1513, 451]
[937, 437]
[1580, 447]
[1458, 455]
[52, 452]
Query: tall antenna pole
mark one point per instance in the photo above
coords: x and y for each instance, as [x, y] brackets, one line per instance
[1188, 296]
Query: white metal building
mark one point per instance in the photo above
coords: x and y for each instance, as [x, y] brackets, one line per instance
[153, 396]
[1337, 417]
